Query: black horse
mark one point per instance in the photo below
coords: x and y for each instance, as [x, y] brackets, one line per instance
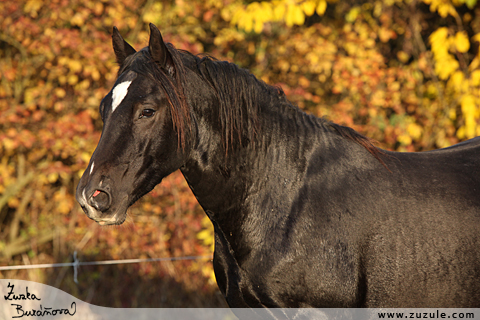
[306, 213]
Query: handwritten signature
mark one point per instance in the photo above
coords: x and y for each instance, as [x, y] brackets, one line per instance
[41, 312]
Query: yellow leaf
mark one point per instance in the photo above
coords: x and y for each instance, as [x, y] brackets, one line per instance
[32, 7]
[446, 67]
[404, 139]
[352, 14]
[64, 206]
[95, 74]
[321, 7]
[294, 16]
[475, 63]
[461, 42]
[308, 7]
[204, 234]
[247, 22]
[457, 80]
[238, 16]
[414, 130]
[265, 12]
[445, 9]
[378, 98]
[258, 27]
[29, 96]
[8, 144]
[279, 11]
[72, 79]
[52, 177]
[60, 92]
[77, 20]
[403, 56]
[289, 16]
[98, 8]
[468, 104]
[75, 65]
[13, 202]
[476, 37]
[438, 37]
[452, 114]
[475, 78]
[84, 85]
[152, 14]
[461, 133]
[469, 111]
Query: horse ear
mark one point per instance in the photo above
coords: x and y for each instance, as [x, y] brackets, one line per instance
[121, 47]
[159, 51]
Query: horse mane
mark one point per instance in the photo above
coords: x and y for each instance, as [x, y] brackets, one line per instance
[238, 92]
[367, 143]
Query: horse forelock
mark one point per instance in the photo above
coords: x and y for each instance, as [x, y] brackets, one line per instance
[143, 64]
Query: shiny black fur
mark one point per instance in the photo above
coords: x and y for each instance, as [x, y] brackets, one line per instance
[306, 213]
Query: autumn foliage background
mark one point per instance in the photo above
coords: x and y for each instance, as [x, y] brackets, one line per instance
[404, 72]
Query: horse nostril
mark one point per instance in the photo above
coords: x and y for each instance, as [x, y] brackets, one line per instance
[100, 200]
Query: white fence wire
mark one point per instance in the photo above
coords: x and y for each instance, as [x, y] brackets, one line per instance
[76, 263]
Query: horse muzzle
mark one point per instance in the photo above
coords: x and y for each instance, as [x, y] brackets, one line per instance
[98, 205]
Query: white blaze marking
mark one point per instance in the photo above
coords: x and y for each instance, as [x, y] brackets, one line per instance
[119, 93]
[91, 168]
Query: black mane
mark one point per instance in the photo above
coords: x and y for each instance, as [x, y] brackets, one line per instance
[238, 91]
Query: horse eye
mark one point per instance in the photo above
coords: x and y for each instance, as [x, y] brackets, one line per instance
[147, 113]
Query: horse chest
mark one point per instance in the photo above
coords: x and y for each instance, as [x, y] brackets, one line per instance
[267, 279]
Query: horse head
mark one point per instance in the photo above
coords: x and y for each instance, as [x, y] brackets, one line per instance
[142, 131]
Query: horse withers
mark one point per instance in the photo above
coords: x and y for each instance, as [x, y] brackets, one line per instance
[306, 213]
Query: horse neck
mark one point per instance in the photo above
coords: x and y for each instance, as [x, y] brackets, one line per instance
[226, 183]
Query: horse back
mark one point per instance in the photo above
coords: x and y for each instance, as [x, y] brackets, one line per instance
[363, 234]
[422, 245]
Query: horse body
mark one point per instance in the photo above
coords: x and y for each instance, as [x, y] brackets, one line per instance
[306, 213]
[323, 223]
